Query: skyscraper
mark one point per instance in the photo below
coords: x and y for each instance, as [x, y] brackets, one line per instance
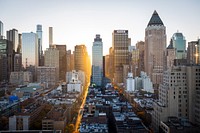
[50, 36]
[39, 34]
[1, 30]
[140, 47]
[155, 44]
[62, 61]
[82, 60]
[179, 43]
[120, 44]
[29, 49]
[97, 61]
[6, 59]
[12, 35]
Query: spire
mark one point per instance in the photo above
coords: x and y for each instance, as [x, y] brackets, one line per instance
[155, 19]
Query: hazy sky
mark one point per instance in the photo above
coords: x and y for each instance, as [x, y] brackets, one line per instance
[77, 22]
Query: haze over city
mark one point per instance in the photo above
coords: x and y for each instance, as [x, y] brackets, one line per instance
[77, 22]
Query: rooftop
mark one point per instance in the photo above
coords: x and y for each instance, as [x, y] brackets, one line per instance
[155, 20]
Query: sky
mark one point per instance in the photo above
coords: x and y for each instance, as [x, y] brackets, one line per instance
[77, 22]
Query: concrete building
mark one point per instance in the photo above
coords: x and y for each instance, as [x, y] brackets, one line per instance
[29, 49]
[178, 96]
[130, 83]
[17, 62]
[79, 74]
[155, 44]
[46, 75]
[19, 123]
[69, 61]
[146, 82]
[40, 52]
[6, 60]
[170, 56]
[193, 52]
[51, 59]
[21, 78]
[55, 120]
[97, 61]
[75, 85]
[120, 44]
[179, 43]
[140, 47]
[12, 35]
[62, 61]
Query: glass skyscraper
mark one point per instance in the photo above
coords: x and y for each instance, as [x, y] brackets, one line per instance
[29, 49]
[179, 43]
[97, 61]
[39, 34]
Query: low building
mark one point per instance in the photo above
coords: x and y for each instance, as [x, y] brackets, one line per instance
[74, 85]
[21, 78]
[19, 122]
[28, 91]
[130, 83]
[55, 120]
[79, 74]
[47, 75]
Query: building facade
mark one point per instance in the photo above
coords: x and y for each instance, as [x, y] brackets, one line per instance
[62, 61]
[6, 59]
[193, 52]
[29, 49]
[46, 75]
[97, 61]
[21, 78]
[179, 43]
[40, 52]
[12, 35]
[155, 45]
[51, 59]
[120, 44]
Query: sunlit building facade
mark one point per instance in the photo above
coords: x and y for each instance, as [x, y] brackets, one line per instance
[120, 44]
[97, 61]
[155, 45]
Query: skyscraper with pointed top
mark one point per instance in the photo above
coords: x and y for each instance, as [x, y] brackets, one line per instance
[155, 44]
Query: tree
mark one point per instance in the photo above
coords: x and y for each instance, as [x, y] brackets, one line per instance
[69, 128]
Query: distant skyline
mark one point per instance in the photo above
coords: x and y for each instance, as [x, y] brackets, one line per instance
[78, 22]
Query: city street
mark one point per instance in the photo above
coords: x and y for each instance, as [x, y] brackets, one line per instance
[80, 112]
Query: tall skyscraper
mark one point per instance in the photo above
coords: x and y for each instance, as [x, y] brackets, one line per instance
[97, 61]
[6, 59]
[29, 49]
[12, 35]
[51, 59]
[62, 61]
[120, 44]
[179, 43]
[40, 53]
[1, 30]
[50, 36]
[82, 61]
[155, 45]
